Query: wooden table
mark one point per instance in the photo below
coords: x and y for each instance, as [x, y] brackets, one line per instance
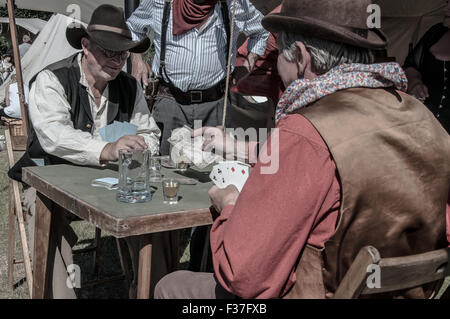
[70, 187]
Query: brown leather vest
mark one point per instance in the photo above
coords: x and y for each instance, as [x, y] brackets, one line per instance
[393, 161]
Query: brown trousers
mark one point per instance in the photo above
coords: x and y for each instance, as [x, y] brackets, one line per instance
[63, 238]
[185, 284]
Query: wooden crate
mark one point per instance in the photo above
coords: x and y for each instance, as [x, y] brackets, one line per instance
[18, 137]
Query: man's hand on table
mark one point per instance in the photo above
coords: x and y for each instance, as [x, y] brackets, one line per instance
[110, 152]
[221, 197]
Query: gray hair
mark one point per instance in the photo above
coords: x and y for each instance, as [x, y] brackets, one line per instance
[325, 54]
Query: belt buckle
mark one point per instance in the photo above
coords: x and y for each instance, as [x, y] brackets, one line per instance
[196, 96]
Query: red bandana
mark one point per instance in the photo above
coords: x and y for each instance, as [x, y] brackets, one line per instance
[188, 14]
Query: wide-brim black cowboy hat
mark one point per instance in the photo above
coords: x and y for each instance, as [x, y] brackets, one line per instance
[108, 29]
[344, 21]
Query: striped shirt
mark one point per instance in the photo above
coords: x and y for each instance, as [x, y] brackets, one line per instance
[197, 59]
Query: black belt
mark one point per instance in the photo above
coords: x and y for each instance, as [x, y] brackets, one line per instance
[193, 96]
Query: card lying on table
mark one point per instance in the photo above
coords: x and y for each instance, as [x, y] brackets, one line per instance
[112, 132]
[107, 182]
[230, 173]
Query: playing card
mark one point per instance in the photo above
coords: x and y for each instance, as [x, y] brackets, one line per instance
[109, 133]
[107, 182]
[102, 132]
[224, 171]
[216, 176]
[113, 132]
[126, 128]
[230, 173]
[237, 174]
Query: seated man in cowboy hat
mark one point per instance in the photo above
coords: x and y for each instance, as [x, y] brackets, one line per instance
[71, 100]
[360, 163]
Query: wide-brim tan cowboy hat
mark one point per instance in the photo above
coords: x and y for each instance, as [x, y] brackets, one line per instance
[344, 21]
[107, 28]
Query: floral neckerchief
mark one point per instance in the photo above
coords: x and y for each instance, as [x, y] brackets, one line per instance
[303, 92]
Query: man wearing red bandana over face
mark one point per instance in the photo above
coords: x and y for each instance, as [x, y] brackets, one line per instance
[192, 83]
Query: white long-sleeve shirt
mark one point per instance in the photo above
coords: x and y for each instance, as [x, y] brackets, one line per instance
[197, 59]
[50, 115]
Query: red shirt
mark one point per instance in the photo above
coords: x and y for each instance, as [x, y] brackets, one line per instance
[256, 243]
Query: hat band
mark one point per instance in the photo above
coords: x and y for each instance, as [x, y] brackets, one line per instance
[100, 27]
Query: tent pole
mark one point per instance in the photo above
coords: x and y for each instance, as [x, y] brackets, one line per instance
[130, 6]
[15, 45]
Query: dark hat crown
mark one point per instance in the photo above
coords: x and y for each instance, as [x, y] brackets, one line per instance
[346, 13]
[109, 15]
[108, 29]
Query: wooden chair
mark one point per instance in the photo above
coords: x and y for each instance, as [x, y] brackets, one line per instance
[396, 273]
[16, 141]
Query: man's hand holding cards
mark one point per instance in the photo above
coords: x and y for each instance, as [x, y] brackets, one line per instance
[230, 173]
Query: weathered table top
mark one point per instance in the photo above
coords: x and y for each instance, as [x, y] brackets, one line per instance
[70, 187]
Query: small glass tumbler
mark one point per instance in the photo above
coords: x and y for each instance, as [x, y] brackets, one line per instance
[170, 190]
[154, 164]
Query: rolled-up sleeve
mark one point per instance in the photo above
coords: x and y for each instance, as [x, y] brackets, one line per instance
[248, 21]
[50, 116]
[139, 21]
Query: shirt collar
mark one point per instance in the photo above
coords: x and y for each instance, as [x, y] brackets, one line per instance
[83, 79]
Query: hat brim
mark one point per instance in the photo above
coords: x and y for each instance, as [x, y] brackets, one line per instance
[107, 40]
[277, 22]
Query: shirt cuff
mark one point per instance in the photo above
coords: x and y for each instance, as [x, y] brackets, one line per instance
[257, 46]
[134, 36]
[96, 147]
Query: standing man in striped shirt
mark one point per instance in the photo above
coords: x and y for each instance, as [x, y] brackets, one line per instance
[192, 79]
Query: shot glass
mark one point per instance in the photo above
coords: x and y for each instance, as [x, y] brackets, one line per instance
[182, 166]
[170, 190]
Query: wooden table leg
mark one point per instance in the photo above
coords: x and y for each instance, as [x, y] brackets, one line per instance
[145, 263]
[11, 238]
[41, 245]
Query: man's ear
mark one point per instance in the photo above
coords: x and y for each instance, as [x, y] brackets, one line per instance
[305, 67]
[85, 45]
[300, 58]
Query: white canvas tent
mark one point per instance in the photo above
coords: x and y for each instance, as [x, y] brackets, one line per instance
[33, 25]
[406, 21]
[65, 6]
[50, 46]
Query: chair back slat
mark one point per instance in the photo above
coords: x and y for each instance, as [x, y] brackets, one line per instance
[400, 273]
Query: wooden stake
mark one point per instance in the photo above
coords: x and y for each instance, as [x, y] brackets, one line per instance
[18, 66]
[230, 51]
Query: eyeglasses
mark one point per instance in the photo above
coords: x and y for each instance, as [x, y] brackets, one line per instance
[112, 54]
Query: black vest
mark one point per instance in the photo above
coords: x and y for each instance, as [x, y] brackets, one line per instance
[122, 97]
